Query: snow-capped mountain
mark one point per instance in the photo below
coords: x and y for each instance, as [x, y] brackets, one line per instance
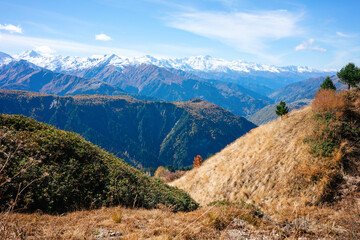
[238, 86]
[189, 64]
[5, 58]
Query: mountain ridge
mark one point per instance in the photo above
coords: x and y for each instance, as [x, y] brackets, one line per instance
[23, 75]
[260, 78]
[305, 89]
[194, 63]
[149, 81]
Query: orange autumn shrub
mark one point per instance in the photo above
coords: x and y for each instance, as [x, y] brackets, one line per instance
[327, 100]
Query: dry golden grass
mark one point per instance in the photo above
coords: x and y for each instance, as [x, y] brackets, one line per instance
[273, 167]
[259, 167]
[211, 222]
[135, 224]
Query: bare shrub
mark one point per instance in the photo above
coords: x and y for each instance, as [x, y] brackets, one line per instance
[161, 172]
[174, 175]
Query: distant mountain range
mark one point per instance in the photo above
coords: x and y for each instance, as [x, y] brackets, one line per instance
[141, 132]
[296, 95]
[267, 114]
[141, 81]
[256, 77]
[190, 64]
[305, 89]
[237, 86]
[22, 75]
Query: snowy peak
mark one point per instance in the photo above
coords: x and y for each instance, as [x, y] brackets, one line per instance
[58, 63]
[299, 69]
[5, 58]
[189, 64]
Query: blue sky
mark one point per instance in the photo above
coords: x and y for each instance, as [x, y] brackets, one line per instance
[322, 34]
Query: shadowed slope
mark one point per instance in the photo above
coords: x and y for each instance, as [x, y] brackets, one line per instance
[150, 133]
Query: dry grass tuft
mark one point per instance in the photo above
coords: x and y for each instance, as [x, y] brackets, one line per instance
[166, 175]
[173, 176]
[117, 216]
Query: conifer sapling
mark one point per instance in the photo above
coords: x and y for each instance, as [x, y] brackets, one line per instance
[328, 84]
[281, 109]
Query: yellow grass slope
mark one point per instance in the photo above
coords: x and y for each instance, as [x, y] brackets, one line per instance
[261, 167]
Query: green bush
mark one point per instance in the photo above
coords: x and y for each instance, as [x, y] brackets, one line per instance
[328, 134]
[59, 171]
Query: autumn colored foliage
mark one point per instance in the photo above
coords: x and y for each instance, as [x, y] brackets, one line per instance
[197, 161]
[328, 100]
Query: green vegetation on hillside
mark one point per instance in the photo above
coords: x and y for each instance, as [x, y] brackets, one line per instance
[58, 171]
[334, 140]
[141, 132]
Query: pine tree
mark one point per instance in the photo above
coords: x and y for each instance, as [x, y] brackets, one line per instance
[328, 84]
[350, 75]
[197, 161]
[281, 109]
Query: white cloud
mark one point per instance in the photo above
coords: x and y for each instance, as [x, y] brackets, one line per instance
[340, 34]
[11, 28]
[102, 37]
[247, 32]
[10, 41]
[45, 50]
[309, 45]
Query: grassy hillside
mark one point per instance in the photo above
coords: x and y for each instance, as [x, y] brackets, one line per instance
[58, 171]
[256, 166]
[149, 133]
[308, 157]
